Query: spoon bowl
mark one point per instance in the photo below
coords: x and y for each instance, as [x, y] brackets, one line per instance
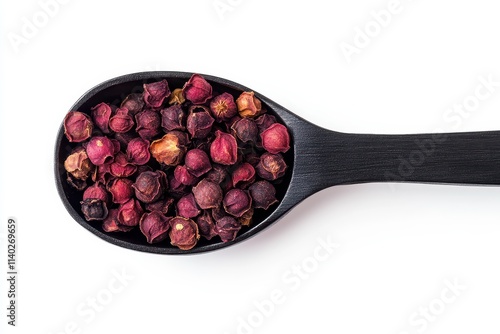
[318, 158]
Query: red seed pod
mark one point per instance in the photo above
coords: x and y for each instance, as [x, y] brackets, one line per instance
[138, 151]
[154, 225]
[199, 122]
[130, 212]
[100, 150]
[197, 162]
[224, 149]
[183, 233]
[121, 167]
[173, 118]
[111, 223]
[134, 103]
[182, 175]
[187, 207]
[263, 194]
[246, 130]
[223, 107]
[236, 202]
[275, 139]
[271, 166]
[265, 121]
[155, 93]
[96, 191]
[121, 190]
[207, 194]
[206, 225]
[148, 124]
[77, 126]
[227, 227]
[149, 186]
[243, 175]
[121, 122]
[197, 90]
[101, 115]
[162, 205]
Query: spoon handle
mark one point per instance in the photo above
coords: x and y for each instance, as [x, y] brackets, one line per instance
[460, 158]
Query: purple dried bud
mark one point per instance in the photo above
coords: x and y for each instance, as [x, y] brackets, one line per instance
[206, 225]
[155, 93]
[149, 186]
[263, 194]
[138, 151]
[77, 126]
[243, 175]
[168, 149]
[175, 188]
[248, 105]
[224, 149]
[129, 213]
[237, 202]
[173, 118]
[183, 233]
[121, 167]
[227, 228]
[96, 191]
[134, 103]
[218, 174]
[223, 107]
[94, 209]
[199, 122]
[207, 194]
[148, 124]
[265, 121]
[154, 226]
[101, 114]
[197, 162]
[275, 139]
[100, 150]
[121, 122]
[246, 130]
[271, 166]
[78, 164]
[187, 207]
[184, 176]
[197, 90]
[121, 190]
[111, 223]
[162, 205]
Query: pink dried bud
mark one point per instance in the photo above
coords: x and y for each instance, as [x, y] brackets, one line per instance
[246, 130]
[243, 175]
[248, 105]
[183, 233]
[121, 122]
[206, 225]
[96, 191]
[199, 122]
[265, 121]
[173, 118]
[121, 190]
[78, 164]
[138, 151]
[223, 107]
[227, 227]
[184, 176]
[162, 205]
[207, 194]
[271, 166]
[101, 114]
[155, 93]
[130, 212]
[111, 223]
[224, 149]
[275, 139]
[77, 126]
[121, 167]
[149, 186]
[168, 149]
[94, 209]
[148, 124]
[197, 162]
[263, 194]
[134, 103]
[154, 226]
[197, 90]
[236, 202]
[187, 207]
[100, 150]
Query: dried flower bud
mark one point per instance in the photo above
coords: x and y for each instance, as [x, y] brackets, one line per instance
[121, 122]
[223, 107]
[263, 194]
[224, 149]
[207, 194]
[101, 114]
[94, 209]
[121, 167]
[78, 164]
[183, 233]
[236, 202]
[206, 225]
[100, 150]
[199, 122]
[197, 90]
[148, 124]
[243, 175]
[155, 93]
[197, 162]
[130, 212]
[121, 190]
[246, 218]
[187, 207]
[111, 223]
[134, 103]
[265, 121]
[184, 176]
[248, 105]
[246, 130]
[168, 149]
[138, 151]
[162, 205]
[154, 226]
[149, 186]
[177, 97]
[275, 139]
[173, 118]
[77, 126]
[227, 227]
[96, 191]
[271, 166]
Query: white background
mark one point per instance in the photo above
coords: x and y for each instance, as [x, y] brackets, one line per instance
[398, 243]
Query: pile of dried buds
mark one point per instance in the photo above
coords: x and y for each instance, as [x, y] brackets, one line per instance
[180, 164]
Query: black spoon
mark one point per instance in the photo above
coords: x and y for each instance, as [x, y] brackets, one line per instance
[319, 159]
